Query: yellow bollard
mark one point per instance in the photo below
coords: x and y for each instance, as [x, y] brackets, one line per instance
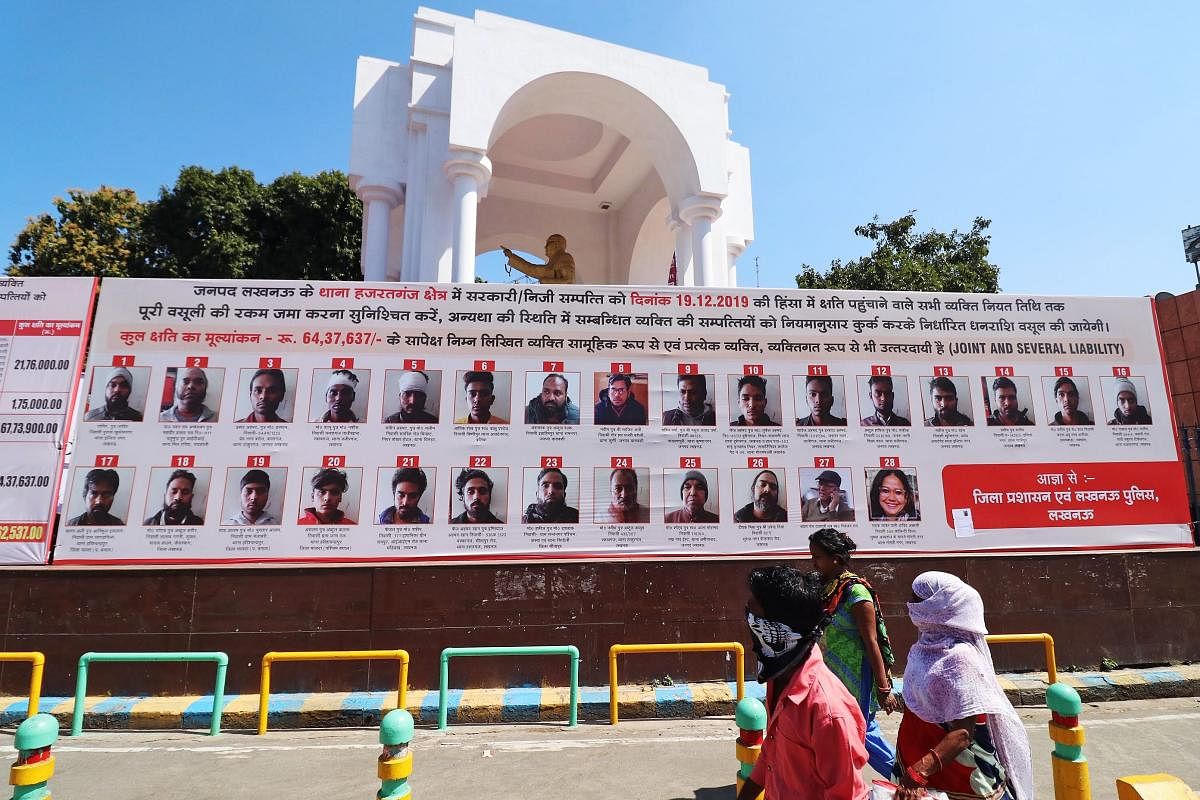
[1068, 765]
[1153, 787]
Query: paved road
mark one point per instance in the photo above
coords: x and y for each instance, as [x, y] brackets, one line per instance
[637, 760]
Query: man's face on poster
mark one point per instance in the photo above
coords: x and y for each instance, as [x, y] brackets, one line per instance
[692, 394]
[476, 498]
[554, 397]
[99, 498]
[882, 396]
[765, 492]
[192, 389]
[1126, 402]
[618, 394]
[178, 497]
[326, 499]
[338, 399]
[1006, 402]
[254, 498]
[624, 491]
[694, 494]
[412, 402]
[406, 496]
[117, 391]
[1067, 397]
[945, 403]
[480, 398]
[753, 402]
[826, 491]
[820, 397]
[266, 393]
[552, 491]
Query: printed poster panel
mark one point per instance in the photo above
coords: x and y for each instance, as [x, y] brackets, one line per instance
[43, 322]
[298, 421]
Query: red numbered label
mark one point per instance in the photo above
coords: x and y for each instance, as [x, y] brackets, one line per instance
[889, 462]
[200, 362]
[688, 369]
[943, 372]
[342, 363]
[1121, 372]
[1064, 372]
[689, 462]
[620, 368]
[757, 462]
[552, 461]
[881, 369]
[553, 366]
[106, 461]
[487, 365]
[258, 461]
[1005, 372]
[480, 462]
[752, 369]
[621, 462]
[823, 462]
[183, 461]
[122, 361]
[333, 461]
[818, 370]
[270, 362]
[414, 363]
[408, 461]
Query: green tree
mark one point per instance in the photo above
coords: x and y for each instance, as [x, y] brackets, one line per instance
[94, 234]
[914, 262]
[209, 224]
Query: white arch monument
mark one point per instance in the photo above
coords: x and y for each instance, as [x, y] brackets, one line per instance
[498, 132]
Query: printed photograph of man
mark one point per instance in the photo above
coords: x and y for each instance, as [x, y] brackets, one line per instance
[944, 407]
[1072, 397]
[824, 498]
[482, 391]
[179, 498]
[408, 486]
[117, 393]
[1010, 401]
[1126, 392]
[329, 492]
[751, 397]
[475, 490]
[549, 506]
[97, 497]
[628, 493]
[618, 404]
[698, 505]
[823, 404]
[416, 392]
[887, 400]
[550, 400]
[248, 497]
[186, 391]
[343, 398]
[693, 408]
[767, 503]
[265, 398]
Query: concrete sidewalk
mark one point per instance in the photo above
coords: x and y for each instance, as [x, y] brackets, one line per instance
[531, 704]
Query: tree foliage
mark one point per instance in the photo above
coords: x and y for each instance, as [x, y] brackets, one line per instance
[222, 224]
[914, 262]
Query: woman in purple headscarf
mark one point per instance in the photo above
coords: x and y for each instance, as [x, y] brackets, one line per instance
[959, 733]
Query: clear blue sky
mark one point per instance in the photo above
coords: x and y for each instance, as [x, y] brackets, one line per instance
[1074, 126]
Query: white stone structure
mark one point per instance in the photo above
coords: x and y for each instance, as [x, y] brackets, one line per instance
[500, 132]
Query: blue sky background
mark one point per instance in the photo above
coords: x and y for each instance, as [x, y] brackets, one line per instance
[1074, 126]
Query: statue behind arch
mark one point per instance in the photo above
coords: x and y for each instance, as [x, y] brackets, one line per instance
[559, 266]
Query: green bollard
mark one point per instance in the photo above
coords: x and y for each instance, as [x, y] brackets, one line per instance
[35, 764]
[395, 762]
[750, 716]
[1068, 764]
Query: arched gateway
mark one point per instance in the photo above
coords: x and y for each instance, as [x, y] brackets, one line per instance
[498, 132]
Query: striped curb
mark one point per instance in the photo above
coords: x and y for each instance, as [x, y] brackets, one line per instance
[535, 704]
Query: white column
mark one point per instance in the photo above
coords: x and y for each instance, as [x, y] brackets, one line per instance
[378, 202]
[700, 212]
[734, 249]
[683, 250]
[469, 172]
[414, 205]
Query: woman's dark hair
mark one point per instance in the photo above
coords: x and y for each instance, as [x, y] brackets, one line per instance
[834, 542]
[910, 499]
[788, 595]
